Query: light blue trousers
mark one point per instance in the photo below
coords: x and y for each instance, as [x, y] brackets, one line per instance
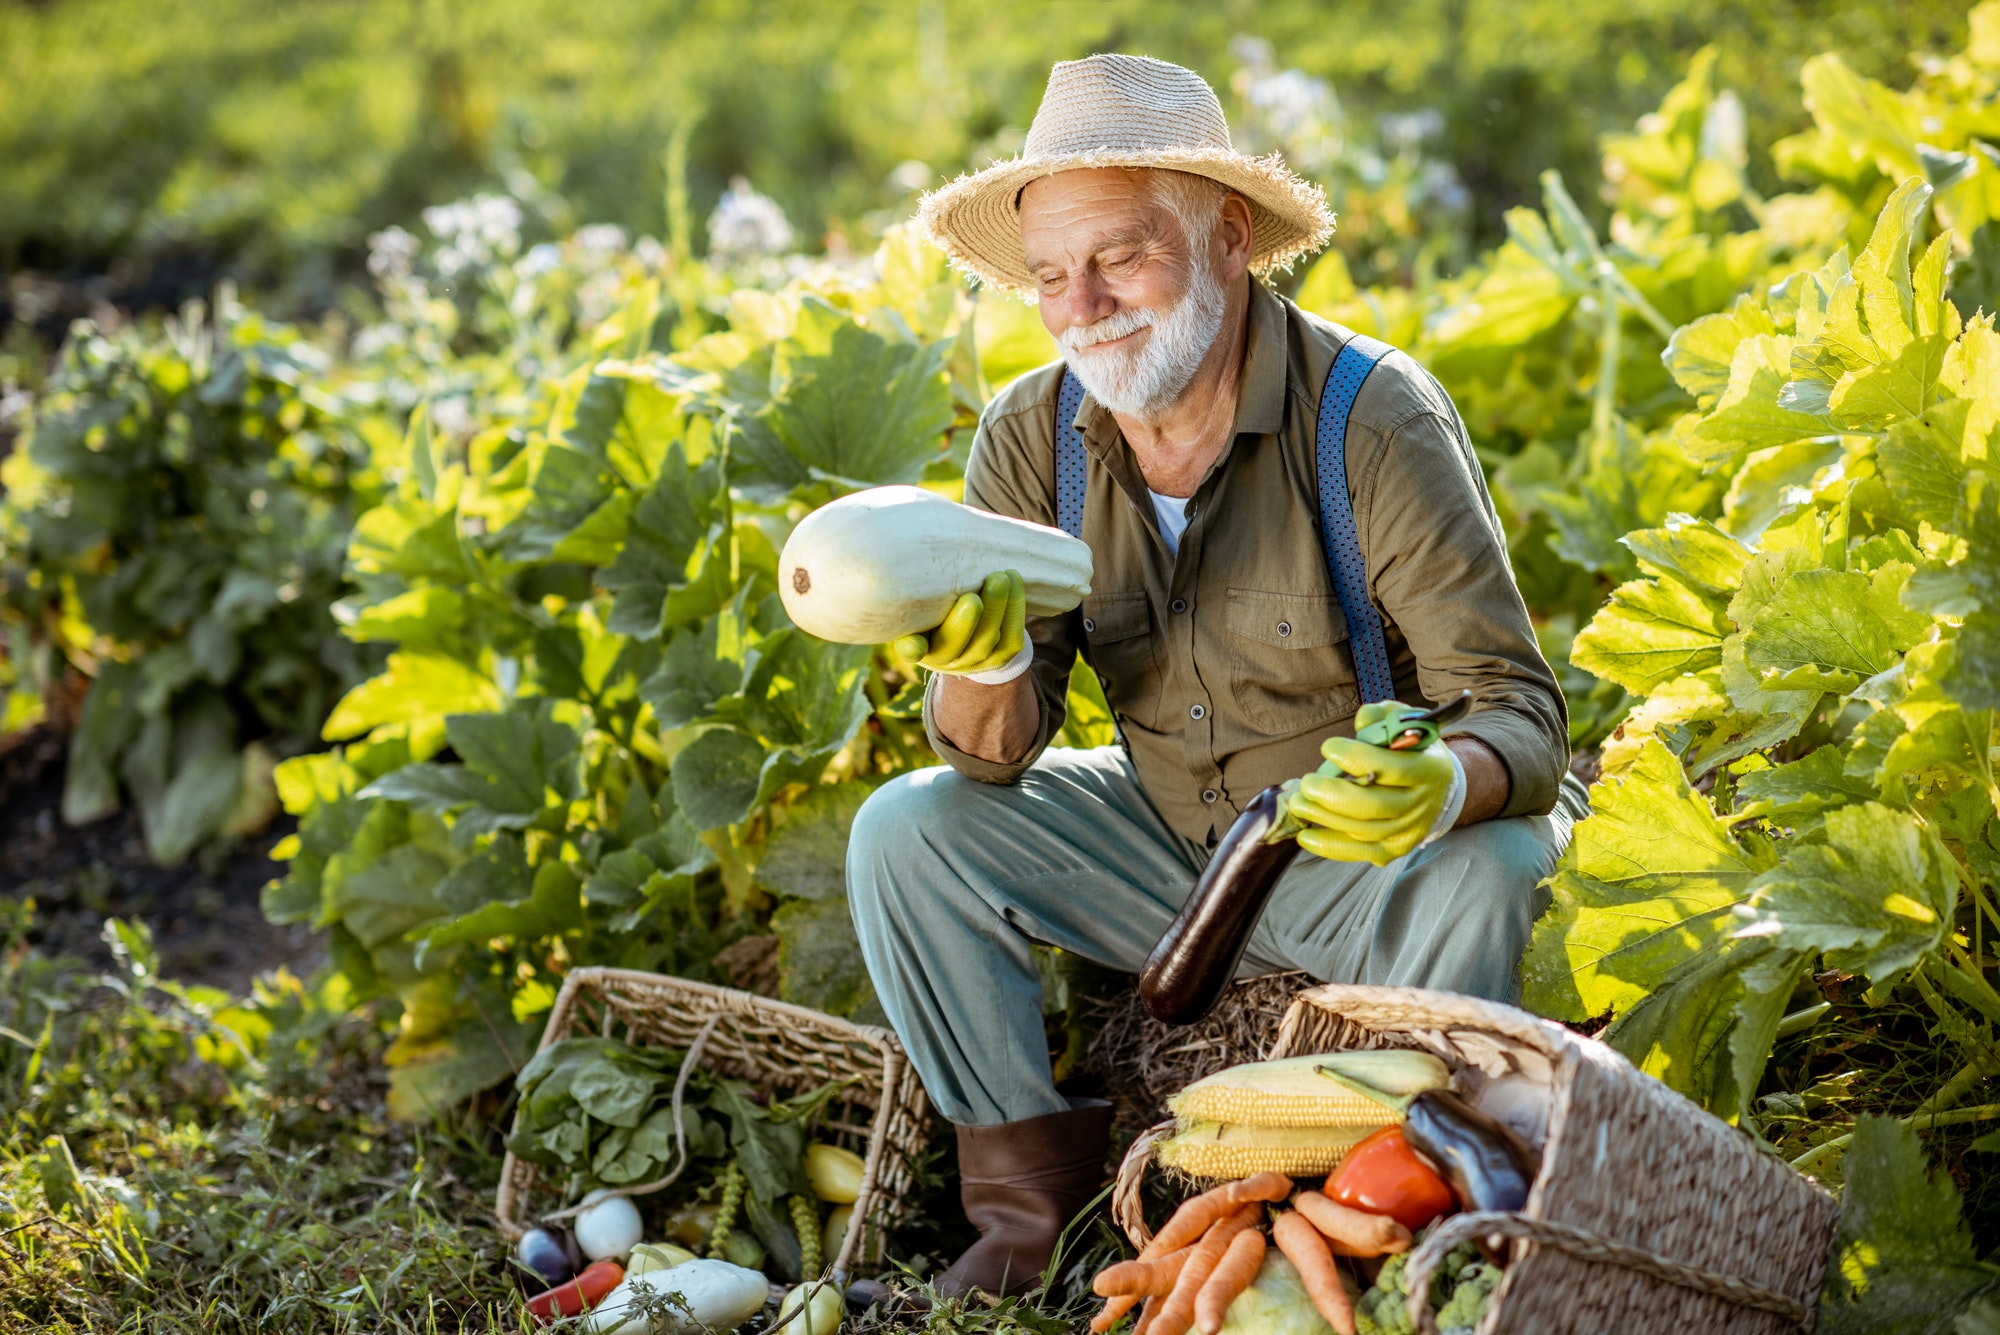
[951, 881]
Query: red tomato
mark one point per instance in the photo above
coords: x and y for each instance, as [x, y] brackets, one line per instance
[581, 1294]
[1383, 1175]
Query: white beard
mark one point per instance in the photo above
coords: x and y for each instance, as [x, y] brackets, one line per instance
[1145, 382]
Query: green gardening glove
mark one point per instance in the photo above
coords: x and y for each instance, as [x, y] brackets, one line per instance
[982, 632]
[1368, 803]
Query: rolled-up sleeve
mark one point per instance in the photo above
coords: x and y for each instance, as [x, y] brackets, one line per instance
[1439, 568]
[1006, 474]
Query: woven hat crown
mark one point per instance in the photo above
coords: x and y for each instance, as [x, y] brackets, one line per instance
[1125, 102]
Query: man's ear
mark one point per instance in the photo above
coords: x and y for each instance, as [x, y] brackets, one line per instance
[1235, 237]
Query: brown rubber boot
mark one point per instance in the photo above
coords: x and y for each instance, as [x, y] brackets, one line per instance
[1021, 1183]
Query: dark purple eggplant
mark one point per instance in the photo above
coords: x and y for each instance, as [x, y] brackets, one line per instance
[550, 1253]
[1198, 953]
[1488, 1166]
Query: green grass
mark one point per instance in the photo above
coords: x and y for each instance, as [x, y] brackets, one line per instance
[155, 1177]
[176, 1163]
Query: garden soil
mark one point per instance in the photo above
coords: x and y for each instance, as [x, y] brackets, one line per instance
[203, 913]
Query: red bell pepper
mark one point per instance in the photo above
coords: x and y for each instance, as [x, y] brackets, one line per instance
[1383, 1175]
[579, 1295]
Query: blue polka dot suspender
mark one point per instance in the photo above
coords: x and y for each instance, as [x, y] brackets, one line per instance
[1337, 534]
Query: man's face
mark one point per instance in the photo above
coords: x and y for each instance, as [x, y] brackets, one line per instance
[1133, 303]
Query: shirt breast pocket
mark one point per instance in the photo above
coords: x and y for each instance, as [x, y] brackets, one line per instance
[1290, 669]
[1123, 653]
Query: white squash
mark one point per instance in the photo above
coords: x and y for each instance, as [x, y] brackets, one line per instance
[889, 561]
[717, 1294]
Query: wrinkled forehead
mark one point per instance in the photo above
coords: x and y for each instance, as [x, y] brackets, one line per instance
[1070, 216]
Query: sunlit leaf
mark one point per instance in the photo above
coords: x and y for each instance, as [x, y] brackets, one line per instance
[1872, 896]
[1650, 632]
[1648, 882]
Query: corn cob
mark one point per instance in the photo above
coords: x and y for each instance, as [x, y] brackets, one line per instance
[1293, 1093]
[1212, 1150]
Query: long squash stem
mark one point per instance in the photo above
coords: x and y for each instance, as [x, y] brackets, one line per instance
[1982, 1067]
[1604, 397]
[1920, 1122]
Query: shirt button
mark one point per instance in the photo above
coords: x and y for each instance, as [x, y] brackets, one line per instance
[1180, 604]
[1209, 794]
[1284, 628]
[1197, 711]
[1089, 626]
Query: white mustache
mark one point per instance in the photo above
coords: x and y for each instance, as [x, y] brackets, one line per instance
[1114, 326]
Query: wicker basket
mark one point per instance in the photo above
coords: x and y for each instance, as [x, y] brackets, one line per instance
[769, 1044]
[1649, 1216]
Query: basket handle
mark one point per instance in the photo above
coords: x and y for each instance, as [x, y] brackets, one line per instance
[1128, 1210]
[1584, 1246]
[688, 1063]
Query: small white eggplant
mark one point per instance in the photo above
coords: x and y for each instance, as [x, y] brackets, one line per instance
[607, 1227]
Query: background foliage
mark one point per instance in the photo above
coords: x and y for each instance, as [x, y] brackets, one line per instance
[161, 142]
[473, 576]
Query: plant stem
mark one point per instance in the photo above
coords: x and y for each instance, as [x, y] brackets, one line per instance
[1918, 1122]
[1604, 397]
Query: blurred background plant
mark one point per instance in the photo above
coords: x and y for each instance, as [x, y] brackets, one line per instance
[146, 149]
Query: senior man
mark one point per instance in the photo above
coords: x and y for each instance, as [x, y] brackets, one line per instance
[1288, 527]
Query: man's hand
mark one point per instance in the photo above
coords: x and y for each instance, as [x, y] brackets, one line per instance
[1385, 815]
[982, 632]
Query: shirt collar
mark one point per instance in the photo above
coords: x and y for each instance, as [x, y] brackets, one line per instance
[1260, 398]
[1260, 395]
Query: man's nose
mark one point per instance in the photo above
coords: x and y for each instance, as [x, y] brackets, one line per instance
[1087, 301]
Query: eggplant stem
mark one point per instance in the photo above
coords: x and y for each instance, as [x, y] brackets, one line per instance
[1395, 1103]
[1288, 826]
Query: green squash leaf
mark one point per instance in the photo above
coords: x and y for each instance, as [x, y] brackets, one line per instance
[1839, 625]
[1650, 632]
[848, 406]
[1648, 882]
[1873, 896]
[1902, 1262]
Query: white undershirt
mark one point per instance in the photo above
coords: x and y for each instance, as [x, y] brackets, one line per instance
[1171, 511]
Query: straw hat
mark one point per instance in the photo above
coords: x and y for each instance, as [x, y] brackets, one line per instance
[1122, 111]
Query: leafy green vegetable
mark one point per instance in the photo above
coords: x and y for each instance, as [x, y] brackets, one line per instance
[1384, 1308]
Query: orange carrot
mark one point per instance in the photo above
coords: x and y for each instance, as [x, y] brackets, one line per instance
[1353, 1232]
[1114, 1308]
[1200, 1213]
[1148, 1314]
[1305, 1247]
[1238, 1268]
[1178, 1312]
[1140, 1277]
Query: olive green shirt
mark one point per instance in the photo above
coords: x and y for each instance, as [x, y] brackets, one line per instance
[1228, 664]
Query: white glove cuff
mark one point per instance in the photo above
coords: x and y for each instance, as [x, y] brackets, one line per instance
[1454, 799]
[1024, 660]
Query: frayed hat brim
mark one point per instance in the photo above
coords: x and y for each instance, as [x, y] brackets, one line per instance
[976, 219]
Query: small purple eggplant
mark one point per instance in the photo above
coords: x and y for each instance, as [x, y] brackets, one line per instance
[547, 1253]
